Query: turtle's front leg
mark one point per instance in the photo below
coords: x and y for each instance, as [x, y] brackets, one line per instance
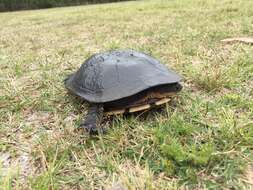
[93, 119]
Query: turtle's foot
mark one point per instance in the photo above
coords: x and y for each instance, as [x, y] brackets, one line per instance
[92, 129]
[93, 119]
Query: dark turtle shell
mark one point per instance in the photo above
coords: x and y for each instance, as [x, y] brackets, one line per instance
[113, 75]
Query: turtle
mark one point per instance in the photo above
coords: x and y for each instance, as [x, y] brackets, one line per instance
[121, 81]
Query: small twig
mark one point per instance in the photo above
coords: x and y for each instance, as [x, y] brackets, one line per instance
[247, 40]
[221, 153]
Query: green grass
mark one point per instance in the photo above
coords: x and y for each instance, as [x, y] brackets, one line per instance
[202, 140]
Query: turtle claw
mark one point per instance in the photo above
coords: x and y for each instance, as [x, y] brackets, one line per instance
[92, 129]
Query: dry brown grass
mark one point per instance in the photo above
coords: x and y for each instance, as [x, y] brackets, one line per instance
[203, 140]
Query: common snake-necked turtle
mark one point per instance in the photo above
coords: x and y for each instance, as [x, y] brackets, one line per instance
[121, 81]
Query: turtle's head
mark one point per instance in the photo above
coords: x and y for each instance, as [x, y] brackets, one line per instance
[176, 87]
[67, 78]
[167, 89]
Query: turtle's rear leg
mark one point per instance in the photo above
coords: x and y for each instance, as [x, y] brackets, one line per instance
[93, 119]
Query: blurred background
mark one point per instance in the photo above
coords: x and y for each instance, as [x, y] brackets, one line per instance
[12, 5]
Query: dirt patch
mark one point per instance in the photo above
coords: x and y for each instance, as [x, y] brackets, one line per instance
[248, 178]
[19, 167]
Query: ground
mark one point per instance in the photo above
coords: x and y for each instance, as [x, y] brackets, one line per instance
[203, 139]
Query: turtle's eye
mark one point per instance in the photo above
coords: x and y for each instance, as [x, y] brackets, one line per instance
[178, 87]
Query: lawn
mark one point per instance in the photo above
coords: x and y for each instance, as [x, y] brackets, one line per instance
[203, 139]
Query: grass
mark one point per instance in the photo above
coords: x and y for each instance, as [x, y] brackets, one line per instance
[202, 140]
